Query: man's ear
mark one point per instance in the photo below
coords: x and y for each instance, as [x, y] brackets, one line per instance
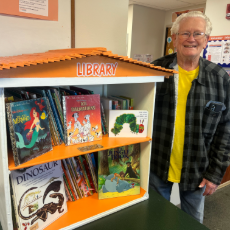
[174, 39]
[206, 41]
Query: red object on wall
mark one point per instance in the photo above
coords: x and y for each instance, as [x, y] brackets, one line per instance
[228, 11]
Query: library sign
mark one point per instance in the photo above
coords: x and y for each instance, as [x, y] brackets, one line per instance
[96, 69]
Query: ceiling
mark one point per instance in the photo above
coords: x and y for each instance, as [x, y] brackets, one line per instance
[167, 4]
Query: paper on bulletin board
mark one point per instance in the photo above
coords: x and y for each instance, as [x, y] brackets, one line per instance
[218, 50]
[40, 9]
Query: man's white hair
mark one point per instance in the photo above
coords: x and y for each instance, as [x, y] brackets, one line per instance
[191, 14]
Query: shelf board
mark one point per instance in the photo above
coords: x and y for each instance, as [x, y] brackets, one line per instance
[80, 210]
[62, 151]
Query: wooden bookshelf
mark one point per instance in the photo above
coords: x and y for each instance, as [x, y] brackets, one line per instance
[59, 68]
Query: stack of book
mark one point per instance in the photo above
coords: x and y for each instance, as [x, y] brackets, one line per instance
[80, 176]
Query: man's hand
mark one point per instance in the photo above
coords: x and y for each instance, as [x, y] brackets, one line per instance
[210, 187]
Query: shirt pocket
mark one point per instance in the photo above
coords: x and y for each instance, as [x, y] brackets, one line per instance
[211, 117]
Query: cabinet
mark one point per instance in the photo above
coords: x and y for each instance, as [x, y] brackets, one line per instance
[63, 68]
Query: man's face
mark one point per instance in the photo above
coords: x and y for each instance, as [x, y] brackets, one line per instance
[190, 48]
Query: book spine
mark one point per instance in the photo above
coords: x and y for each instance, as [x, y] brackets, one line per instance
[52, 130]
[103, 119]
[91, 168]
[58, 106]
[88, 172]
[73, 176]
[55, 114]
[65, 120]
[12, 135]
[56, 133]
[68, 178]
[68, 170]
[80, 161]
[81, 183]
[68, 190]
[74, 167]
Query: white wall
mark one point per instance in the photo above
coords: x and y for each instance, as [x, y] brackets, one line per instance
[216, 11]
[102, 23]
[147, 31]
[28, 35]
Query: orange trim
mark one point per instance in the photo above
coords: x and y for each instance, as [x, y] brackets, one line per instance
[61, 151]
[220, 37]
[85, 210]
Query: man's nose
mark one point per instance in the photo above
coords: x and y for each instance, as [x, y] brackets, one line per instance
[191, 37]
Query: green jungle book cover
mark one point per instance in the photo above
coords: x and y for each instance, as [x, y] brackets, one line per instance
[119, 172]
[29, 129]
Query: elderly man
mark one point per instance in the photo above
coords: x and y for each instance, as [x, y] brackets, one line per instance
[191, 130]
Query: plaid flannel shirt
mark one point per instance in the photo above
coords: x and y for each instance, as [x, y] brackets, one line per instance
[206, 151]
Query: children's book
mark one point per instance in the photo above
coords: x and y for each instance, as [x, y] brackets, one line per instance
[128, 123]
[39, 195]
[82, 118]
[119, 171]
[29, 129]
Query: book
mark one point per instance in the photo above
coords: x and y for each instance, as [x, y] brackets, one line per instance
[82, 118]
[84, 173]
[92, 170]
[121, 101]
[29, 129]
[39, 195]
[126, 123]
[119, 171]
[41, 93]
[131, 102]
[81, 180]
[80, 91]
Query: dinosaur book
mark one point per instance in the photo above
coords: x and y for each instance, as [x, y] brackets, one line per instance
[39, 195]
[82, 118]
[29, 129]
[126, 123]
[119, 171]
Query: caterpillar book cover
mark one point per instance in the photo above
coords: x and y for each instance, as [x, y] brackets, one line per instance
[29, 129]
[82, 118]
[119, 171]
[126, 123]
[39, 195]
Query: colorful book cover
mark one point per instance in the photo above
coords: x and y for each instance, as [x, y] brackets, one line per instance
[81, 180]
[29, 129]
[119, 172]
[82, 118]
[126, 123]
[83, 170]
[39, 195]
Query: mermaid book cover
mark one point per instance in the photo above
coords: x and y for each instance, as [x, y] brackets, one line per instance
[29, 129]
[119, 171]
[128, 123]
[38, 195]
[82, 118]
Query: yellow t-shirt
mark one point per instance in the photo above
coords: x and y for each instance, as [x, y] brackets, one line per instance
[176, 158]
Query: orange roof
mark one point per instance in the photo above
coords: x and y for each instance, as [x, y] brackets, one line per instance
[68, 54]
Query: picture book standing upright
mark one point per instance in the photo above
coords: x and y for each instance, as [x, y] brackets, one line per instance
[82, 118]
[29, 129]
[119, 172]
[38, 195]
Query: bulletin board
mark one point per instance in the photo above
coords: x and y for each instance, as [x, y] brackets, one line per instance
[40, 9]
[218, 50]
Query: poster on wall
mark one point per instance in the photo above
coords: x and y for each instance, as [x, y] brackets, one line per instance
[177, 14]
[218, 50]
[39, 9]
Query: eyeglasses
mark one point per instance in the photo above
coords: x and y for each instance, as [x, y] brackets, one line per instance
[196, 35]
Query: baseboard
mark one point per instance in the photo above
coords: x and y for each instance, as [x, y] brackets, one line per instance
[223, 185]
